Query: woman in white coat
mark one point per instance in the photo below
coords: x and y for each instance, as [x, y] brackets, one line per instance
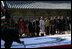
[42, 25]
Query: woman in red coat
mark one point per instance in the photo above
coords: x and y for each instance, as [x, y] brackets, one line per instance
[26, 29]
[21, 26]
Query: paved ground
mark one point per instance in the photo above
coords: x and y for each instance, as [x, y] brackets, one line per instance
[35, 42]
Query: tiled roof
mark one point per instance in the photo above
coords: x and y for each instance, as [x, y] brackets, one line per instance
[37, 5]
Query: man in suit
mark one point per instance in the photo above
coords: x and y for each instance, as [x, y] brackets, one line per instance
[32, 27]
[68, 24]
[37, 29]
[52, 26]
[62, 25]
[58, 24]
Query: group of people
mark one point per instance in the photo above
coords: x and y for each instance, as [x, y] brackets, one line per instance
[52, 25]
[10, 30]
[41, 26]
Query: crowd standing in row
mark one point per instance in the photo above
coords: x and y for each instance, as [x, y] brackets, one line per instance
[33, 27]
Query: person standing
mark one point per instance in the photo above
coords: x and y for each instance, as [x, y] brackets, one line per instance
[68, 24]
[58, 24]
[31, 27]
[34, 27]
[47, 25]
[62, 25]
[27, 29]
[24, 25]
[21, 26]
[55, 23]
[37, 27]
[42, 25]
[52, 26]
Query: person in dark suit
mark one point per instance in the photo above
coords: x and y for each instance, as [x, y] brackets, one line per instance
[58, 24]
[62, 25]
[68, 23]
[9, 35]
[37, 29]
[52, 26]
[32, 27]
